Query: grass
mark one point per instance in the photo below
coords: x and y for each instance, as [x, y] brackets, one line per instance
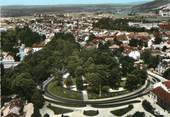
[58, 111]
[63, 92]
[93, 95]
[122, 111]
[122, 83]
[91, 113]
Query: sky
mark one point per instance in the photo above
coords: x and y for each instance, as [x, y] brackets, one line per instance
[56, 2]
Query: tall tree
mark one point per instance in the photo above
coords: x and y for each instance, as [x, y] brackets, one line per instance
[166, 74]
[37, 98]
[132, 82]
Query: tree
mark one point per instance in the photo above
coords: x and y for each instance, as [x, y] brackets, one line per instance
[166, 74]
[158, 40]
[105, 89]
[37, 98]
[146, 55]
[135, 43]
[132, 82]
[40, 72]
[8, 40]
[149, 59]
[6, 85]
[46, 115]
[114, 78]
[127, 65]
[103, 46]
[139, 114]
[2, 69]
[28, 37]
[68, 82]
[79, 83]
[95, 82]
[73, 62]
[164, 49]
[23, 85]
[79, 71]
[36, 112]
[141, 75]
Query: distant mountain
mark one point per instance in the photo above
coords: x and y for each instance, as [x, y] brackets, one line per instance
[20, 10]
[150, 5]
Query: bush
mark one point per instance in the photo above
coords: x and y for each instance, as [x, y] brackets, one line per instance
[36, 112]
[139, 114]
[105, 89]
[46, 115]
[167, 74]
[91, 113]
[147, 106]
[122, 111]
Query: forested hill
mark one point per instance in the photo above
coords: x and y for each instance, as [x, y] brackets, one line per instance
[150, 5]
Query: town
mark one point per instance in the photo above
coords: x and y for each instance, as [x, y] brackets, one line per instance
[82, 64]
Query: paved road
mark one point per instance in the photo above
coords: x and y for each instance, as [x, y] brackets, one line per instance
[156, 76]
[109, 101]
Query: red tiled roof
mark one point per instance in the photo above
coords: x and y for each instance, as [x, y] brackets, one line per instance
[167, 84]
[168, 42]
[165, 26]
[162, 94]
[37, 45]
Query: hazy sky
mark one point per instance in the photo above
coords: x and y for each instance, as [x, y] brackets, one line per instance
[55, 2]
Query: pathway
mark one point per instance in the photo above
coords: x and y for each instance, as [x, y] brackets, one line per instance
[85, 95]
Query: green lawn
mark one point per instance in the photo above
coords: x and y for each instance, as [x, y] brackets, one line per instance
[63, 92]
[122, 111]
[123, 83]
[93, 95]
[58, 111]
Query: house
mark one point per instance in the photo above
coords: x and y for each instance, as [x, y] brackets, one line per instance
[162, 45]
[122, 36]
[135, 55]
[165, 11]
[6, 57]
[13, 108]
[161, 94]
[37, 47]
[114, 46]
[164, 26]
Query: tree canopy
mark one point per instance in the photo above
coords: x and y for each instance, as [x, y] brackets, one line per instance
[166, 74]
[100, 68]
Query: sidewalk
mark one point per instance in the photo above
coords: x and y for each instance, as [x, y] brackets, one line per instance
[85, 95]
[157, 107]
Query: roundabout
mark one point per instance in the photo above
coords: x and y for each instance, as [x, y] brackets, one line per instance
[99, 103]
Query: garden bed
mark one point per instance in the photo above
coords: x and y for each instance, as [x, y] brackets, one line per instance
[91, 113]
[122, 111]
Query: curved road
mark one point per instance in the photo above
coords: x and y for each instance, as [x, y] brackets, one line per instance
[120, 100]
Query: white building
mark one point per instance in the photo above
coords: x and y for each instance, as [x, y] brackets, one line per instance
[135, 55]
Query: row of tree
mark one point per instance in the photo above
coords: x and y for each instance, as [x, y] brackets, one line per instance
[120, 24]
